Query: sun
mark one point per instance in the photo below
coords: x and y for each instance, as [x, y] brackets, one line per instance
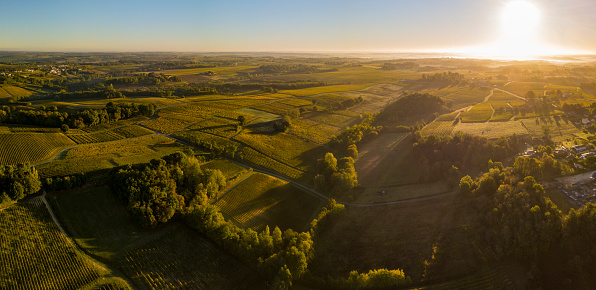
[520, 20]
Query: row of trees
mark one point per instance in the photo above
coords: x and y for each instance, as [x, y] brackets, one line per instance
[90, 117]
[445, 77]
[50, 184]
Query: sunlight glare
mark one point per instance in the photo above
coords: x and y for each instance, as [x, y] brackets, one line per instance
[520, 19]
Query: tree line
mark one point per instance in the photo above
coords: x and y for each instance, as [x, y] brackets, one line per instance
[84, 118]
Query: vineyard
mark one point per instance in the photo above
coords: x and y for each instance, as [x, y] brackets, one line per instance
[132, 131]
[217, 126]
[17, 92]
[332, 119]
[479, 113]
[312, 131]
[183, 259]
[99, 137]
[261, 160]
[264, 200]
[168, 123]
[230, 169]
[438, 128]
[102, 156]
[30, 147]
[282, 146]
[35, 254]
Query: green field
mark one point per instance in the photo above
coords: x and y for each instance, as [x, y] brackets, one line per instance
[263, 200]
[30, 147]
[36, 255]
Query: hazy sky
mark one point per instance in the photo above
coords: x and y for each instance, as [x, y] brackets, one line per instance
[261, 25]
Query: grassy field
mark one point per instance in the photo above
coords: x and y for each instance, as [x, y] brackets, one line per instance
[98, 222]
[448, 117]
[492, 129]
[93, 157]
[260, 114]
[479, 113]
[390, 164]
[30, 147]
[36, 255]
[263, 200]
[399, 236]
[560, 130]
[183, 259]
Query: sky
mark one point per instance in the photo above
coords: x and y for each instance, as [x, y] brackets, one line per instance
[282, 25]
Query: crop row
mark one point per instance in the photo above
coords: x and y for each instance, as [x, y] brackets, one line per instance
[261, 160]
[438, 128]
[105, 136]
[30, 147]
[132, 131]
[184, 259]
[35, 254]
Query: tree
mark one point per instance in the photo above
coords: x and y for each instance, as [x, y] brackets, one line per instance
[352, 151]
[241, 120]
[64, 128]
[530, 95]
